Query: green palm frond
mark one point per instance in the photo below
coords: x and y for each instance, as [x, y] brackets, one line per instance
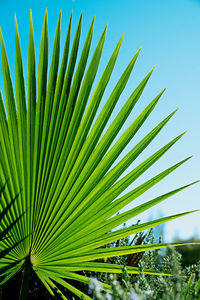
[59, 152]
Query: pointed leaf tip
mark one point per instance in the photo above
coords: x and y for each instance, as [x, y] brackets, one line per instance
[16, 25]
[70, 19]
[196, 210]
[31, 16]
[80, 19]
[139, 50]
[92, 24]
[59, 18]
[1, 37]
[46, 18]
[121, 38]
[191, 156]
[197, 181]
[104, 32]
[162, 92]
[135, 56]
[173, 112]
[180, 135]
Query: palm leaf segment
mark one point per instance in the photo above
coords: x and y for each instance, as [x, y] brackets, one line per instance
[5, 228]
[60, 154]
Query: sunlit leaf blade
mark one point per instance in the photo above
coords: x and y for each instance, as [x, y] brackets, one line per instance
[49, 99]
[62, 109]
[21, 118]
[68, 286]
[98, 267]
[113, 222]
[61, 167]
[56, 100]
[31, 110]
[11, 138]
[7, 227]
[12, 116]
[9, 273]
[41, 277]
[40, 107]
[109, 252]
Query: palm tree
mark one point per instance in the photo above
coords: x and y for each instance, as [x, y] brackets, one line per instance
[63, 157]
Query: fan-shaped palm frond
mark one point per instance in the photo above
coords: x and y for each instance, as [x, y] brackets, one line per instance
[59, 152]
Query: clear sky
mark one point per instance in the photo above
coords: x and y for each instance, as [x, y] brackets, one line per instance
[168, 32]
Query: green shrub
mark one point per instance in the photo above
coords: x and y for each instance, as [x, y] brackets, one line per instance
[184, 284]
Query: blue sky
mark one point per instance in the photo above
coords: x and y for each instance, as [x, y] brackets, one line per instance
[168, 32]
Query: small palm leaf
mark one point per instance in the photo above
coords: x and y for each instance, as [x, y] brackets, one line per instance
[60, 153]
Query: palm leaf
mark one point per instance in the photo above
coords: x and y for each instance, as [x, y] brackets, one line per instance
[64, 158]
